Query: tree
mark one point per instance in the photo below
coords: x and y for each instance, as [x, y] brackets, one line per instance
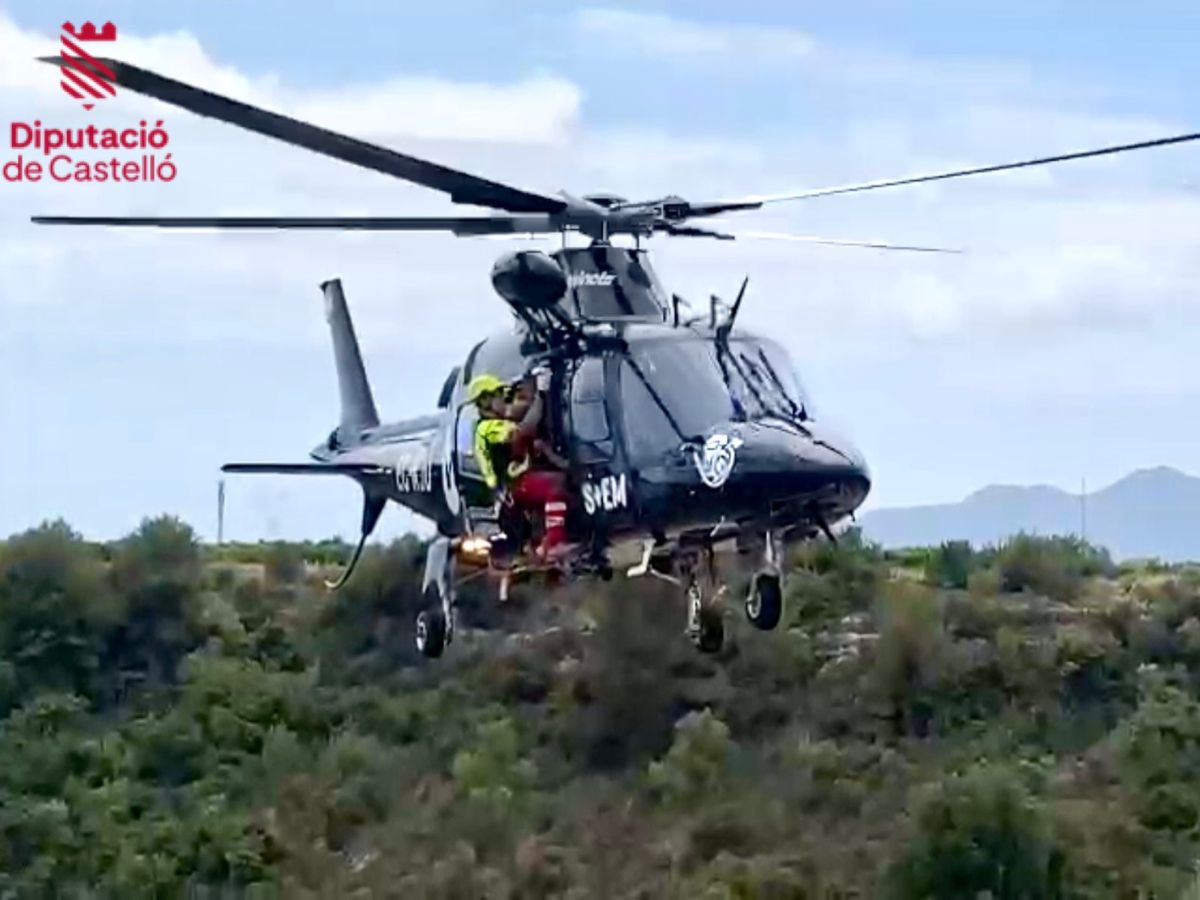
[156, 571]
[55, 612]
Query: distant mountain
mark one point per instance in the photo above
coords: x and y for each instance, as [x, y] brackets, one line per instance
[1149, 513]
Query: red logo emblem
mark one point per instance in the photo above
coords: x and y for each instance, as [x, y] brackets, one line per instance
[84, 77]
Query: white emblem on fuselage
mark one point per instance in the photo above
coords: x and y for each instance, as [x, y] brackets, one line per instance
[590, 279]
[715, 459]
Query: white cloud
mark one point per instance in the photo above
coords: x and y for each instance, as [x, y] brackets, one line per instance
[540, 109]
[740, 49]
[661, 35]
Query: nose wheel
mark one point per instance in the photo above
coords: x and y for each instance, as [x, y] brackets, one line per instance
[764, 605]
[764, 602]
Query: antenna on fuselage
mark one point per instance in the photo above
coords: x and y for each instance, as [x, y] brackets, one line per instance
[727, 325]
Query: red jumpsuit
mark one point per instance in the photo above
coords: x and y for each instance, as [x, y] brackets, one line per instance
[540, 487]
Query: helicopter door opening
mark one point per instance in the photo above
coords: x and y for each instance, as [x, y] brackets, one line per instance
[474, 490]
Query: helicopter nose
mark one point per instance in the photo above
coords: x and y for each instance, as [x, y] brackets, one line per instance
[849, 471]
[781, 470]
[835, 465]
[794, 468]
[850, 462]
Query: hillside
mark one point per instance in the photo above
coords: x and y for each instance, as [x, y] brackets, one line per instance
[1019, 723]
[1149, 513]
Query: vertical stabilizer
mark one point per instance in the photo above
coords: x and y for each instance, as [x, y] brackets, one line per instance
[358, 406]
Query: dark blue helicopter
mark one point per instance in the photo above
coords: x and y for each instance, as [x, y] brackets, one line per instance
[680, 433]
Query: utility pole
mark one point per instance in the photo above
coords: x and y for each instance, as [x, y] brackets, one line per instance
[1083, 509]
[221, 512]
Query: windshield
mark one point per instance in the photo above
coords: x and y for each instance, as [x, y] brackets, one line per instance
[682, 376]
[676, 390]
[762, 381]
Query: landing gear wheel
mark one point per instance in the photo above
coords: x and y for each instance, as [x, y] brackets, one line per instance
[764, 605]
[434, 623]
[705, 624]
[431, 632]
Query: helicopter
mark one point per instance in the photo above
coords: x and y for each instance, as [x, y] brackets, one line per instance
[680, 433]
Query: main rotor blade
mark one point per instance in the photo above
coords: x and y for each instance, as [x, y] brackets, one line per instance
[958, 173]
[465, 225]
[807, 239]
[461, 186]
[835, 241]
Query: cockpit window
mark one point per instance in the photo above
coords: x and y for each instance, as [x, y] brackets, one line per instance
[675, 390]
[762, 381]
[671, 391]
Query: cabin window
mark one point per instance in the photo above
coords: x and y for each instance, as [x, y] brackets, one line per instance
[587, 402]
[589, 416]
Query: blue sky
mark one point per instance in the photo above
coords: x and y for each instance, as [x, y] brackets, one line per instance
[1060, 348]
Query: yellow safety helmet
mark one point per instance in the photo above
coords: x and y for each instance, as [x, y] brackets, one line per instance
[482, 385]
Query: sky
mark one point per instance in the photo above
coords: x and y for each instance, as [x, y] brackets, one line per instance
[1058, 349]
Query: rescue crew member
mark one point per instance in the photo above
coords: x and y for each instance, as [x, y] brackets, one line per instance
[520, 398]
[504, 448]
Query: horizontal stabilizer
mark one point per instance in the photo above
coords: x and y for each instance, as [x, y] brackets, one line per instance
[352, 469]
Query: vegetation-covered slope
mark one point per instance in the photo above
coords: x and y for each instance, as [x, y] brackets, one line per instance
[935, 723]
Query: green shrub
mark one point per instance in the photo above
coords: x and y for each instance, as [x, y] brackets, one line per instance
[950, 565]
[1159, 760]
[1053, 566]
[697, 765]
[981, 833]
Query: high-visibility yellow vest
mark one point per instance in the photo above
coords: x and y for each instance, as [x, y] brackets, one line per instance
[493, 450]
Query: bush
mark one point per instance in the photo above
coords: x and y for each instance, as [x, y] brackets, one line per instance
[627, 697]
[909, 658]
[696, 766]
[1054, 567]
[1159, 758]
[981, 833]
[950, 565]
